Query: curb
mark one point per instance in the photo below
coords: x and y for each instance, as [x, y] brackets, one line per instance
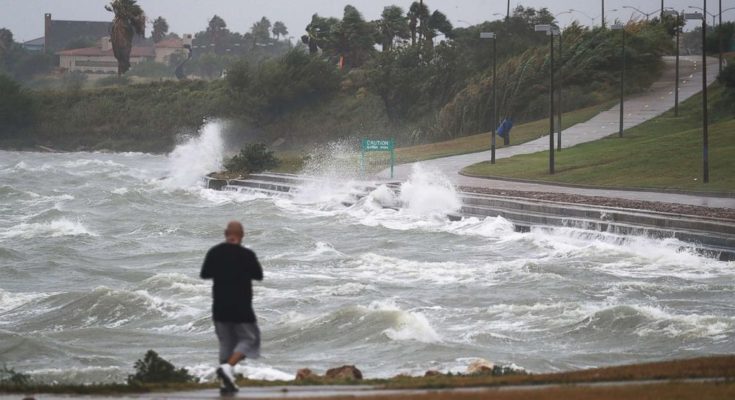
[722, 195]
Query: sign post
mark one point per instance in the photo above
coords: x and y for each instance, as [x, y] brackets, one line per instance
[381, 145]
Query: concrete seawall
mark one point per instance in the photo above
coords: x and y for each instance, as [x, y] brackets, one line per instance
[710, 236]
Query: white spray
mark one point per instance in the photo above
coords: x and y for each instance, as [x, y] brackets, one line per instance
[429, 192]
[196, 157]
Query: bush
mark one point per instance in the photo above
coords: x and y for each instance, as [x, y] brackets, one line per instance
[9, 376]
[154, 369]
[253, 158]
[112, 80]
[727, 77]
[277, 86]
[16, 106]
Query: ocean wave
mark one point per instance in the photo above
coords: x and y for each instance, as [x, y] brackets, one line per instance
[176, 284]
[12, 300]
[105, 307]
[56, 228]
[375, 267]
[377, 321]
[652, 322]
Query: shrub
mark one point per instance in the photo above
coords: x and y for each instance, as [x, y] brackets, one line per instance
[154, 369]
[112, 80]
[255, 157]
[727, 77]
[16, 106]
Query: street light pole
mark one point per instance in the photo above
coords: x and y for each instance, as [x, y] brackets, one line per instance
[679, 16]
[550, 32]
[719, 37]
[705, 116]
[507, 15]
[678, 51]
[560, 108]
[492, 35]
[603, 14]
[551, 104]
[621, 28]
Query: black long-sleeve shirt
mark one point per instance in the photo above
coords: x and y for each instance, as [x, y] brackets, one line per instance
[233, 268]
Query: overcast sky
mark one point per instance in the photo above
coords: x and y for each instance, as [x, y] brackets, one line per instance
[25, 17]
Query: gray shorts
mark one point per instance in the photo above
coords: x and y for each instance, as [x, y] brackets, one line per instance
[237, 337]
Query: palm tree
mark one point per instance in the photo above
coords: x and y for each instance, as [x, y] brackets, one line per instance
[392, 24]
[279, 29]
[160, 29]
[418, 16]
[129, 19]
[438, 23]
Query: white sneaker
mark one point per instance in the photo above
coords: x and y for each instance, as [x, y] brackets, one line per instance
[226, 374]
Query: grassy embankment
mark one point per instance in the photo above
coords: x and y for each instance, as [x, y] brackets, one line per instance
[293, 162]
[663, 153]
[721, 367]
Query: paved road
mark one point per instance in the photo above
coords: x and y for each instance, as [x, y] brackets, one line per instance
[638, 109]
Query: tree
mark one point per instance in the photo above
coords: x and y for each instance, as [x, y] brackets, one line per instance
[129, 19]
[160, 29]
[438, 23]
[418, 14]
[216, 32]
[6, 41]
[279, 29]
[320, 34]
[392, 24]
[261, 31]
[354, 37]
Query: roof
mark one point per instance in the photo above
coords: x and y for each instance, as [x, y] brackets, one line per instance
[98, 52]
[35, 42]
[171, 43]
[61, 33]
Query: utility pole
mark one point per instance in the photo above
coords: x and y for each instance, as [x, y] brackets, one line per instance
[507, 14]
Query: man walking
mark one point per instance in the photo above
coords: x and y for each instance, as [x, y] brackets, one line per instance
[233, 267]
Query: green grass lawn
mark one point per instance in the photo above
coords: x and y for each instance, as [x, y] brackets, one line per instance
[664, 153]
[481, 142]
[293, 162]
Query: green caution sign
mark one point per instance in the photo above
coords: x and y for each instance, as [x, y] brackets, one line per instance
[379, 145]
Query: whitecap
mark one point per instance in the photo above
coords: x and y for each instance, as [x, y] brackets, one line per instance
[57, 228]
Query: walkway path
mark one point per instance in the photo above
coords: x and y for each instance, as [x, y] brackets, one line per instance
[358, 392]
[639, 108]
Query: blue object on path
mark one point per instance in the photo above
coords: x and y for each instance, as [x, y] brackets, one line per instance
[505, 127]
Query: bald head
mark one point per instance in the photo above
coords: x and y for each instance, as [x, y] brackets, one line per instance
[234, 232]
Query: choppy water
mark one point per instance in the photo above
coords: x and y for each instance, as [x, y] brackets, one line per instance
[99, 262]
